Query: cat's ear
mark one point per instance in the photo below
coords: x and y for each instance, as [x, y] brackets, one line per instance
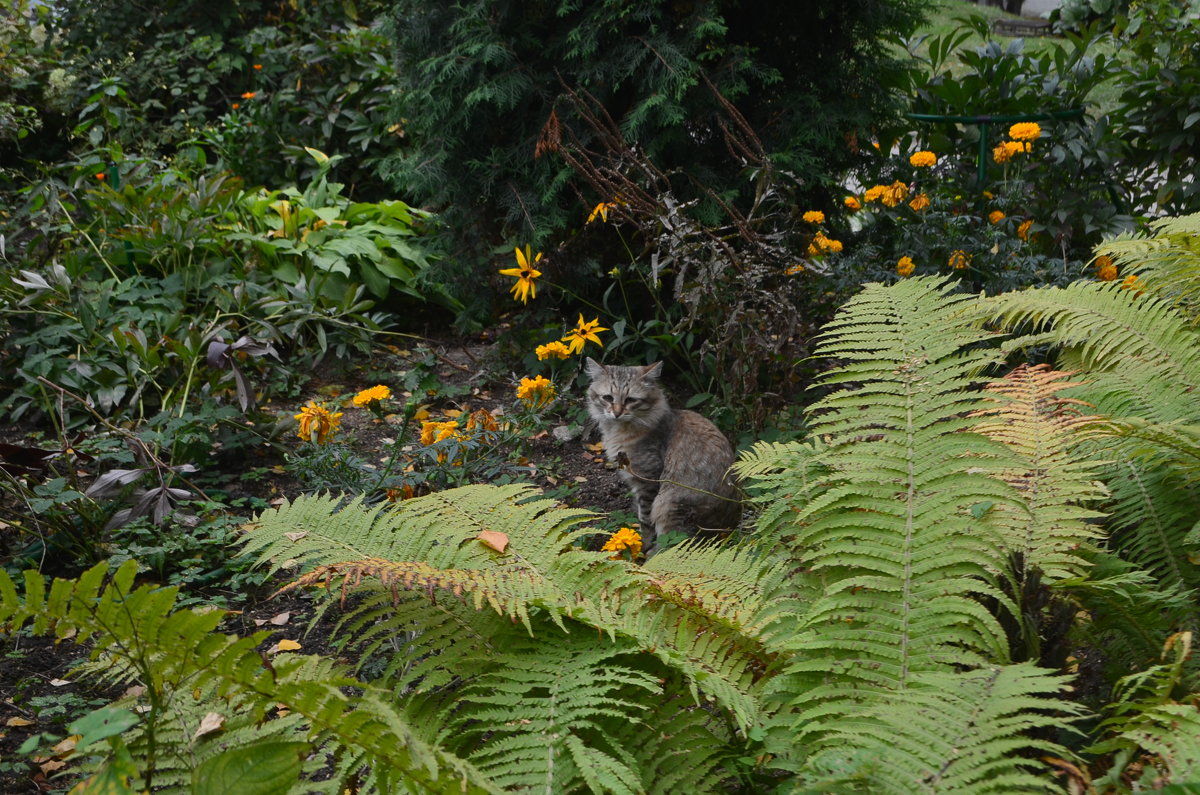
[593, 368]
[652, 371]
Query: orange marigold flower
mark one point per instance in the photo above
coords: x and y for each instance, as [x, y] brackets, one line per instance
[814, 217]
[100, 175]
[1132, 282]
[555, 349]
[852, 203]
[258, 66]
[372, 395]
[1025, 131]
[820, 244]
[317, 423]
[236, 105]
[625, 538]
[482, 420]
[995, 216]
[536, 392]
[1023, 229]
[959, 260]
[922, 159]
[894, 194]
[905, 266]
[919, 202]
[874, 192]
[1106, 269]
[250, 95]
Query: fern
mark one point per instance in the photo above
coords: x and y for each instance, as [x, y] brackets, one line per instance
[1146, 717]
[971, 732]
[891, 532]
[179, 651]
[479, 642]
[1166, 264]
[1044, 429]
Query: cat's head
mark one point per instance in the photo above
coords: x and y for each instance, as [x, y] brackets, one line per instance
[625, 394]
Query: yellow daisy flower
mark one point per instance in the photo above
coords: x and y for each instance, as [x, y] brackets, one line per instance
[525, 288]
[583, 333]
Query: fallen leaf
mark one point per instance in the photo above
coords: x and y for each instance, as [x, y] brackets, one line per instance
[258, 622]
[421, 414]
[598, 447]
[18, 722]
[496, 540]
[278, 501]
[209, 724]
[580, 479]
[134, 691]
[66, 745]
[284, 645]
[451, 414]
[280, 619]
[52, 765]
[294, 537]
[59, 682]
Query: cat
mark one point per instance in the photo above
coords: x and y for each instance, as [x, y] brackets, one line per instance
[675, 461]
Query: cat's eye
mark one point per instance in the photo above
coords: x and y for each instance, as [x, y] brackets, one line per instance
[632, 401]
[606, 398]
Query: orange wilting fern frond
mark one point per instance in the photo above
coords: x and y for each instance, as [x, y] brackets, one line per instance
[509, 592]
[1044, 428]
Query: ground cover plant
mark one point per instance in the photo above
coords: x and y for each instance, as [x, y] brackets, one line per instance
[267, 525]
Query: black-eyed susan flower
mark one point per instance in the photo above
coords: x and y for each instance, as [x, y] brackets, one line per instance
[525, 287]
[601, 211]
[583, 333]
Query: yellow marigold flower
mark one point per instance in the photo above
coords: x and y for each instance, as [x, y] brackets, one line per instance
[625, 538]
[1025, 131]
[852, 203]
[919, 202]
[959, 260]
[250, 95]
[814, 217]
[905, 266]
[536, 392]
[874, 192]
[601, 211]
[583, 333]
[556, 349]
[375, 393]
[995, 216]
[1106, 269]
[922, 159]
[1023, 229]
[1005, 150]
[1132, 282]
[894, 194]
[525, 288]
[317, 423]
[821, 244]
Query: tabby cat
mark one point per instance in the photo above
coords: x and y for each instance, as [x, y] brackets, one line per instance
[676, 462]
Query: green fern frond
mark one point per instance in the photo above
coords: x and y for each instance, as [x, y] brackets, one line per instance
[1044, 429]
[1152, 511]
[1166, 261]
[977, 732]
[552, 699]
[180, 649]
[1107, 326]
[780, 477]
[891, 531]
[1146, 717]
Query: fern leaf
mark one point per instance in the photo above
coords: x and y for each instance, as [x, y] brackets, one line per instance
[1044, 429]
[1166, 263]
[976, 732]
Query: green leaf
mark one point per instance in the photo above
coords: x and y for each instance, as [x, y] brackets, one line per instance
[261, 769]
[101, 724]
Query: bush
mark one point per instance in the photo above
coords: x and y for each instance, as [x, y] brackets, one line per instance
[486, 92]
